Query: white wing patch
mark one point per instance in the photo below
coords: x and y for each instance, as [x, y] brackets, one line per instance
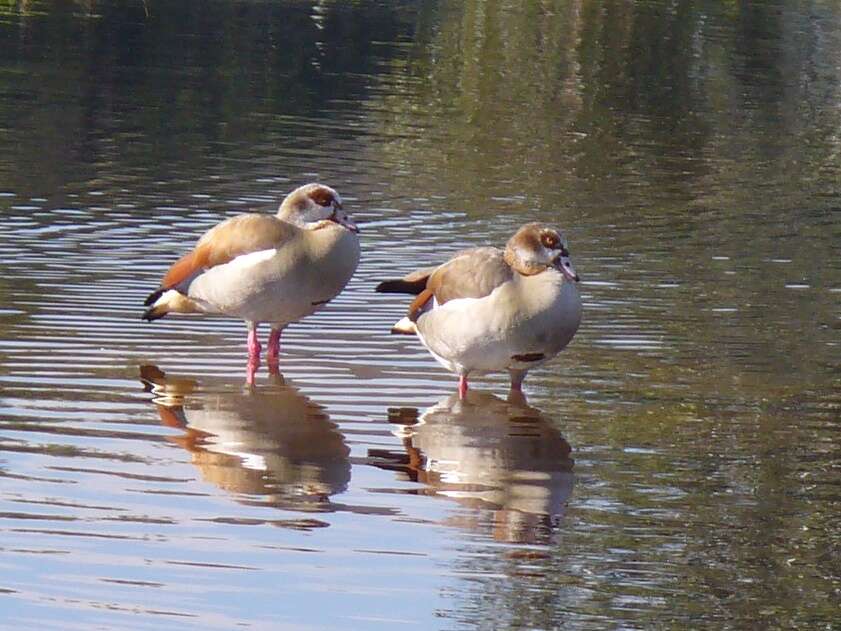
[251, 259]
[169, 294]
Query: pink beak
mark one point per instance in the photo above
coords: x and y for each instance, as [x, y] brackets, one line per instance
[564, 265]
[348, 223]
[343, 219]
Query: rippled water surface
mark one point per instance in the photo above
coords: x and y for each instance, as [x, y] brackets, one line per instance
[676, 467]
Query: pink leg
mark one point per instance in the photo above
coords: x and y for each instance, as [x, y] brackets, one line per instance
[254, 347]
[250, 372]
[273, 354]
[462, 387]
[517, 377]
[516, 394]
[254, 350]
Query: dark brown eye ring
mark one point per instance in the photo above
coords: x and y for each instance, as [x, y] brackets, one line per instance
[322, 197]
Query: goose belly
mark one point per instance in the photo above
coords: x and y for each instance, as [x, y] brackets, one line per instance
[501, 331]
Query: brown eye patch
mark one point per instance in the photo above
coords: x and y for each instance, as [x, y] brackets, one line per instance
[550, 240]
[322, 197]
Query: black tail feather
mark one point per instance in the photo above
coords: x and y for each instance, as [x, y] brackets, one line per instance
[401, 286]
[153, 297]
[152, 314]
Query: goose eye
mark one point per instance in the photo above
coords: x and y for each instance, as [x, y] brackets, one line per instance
[549, 240]
[322, 198]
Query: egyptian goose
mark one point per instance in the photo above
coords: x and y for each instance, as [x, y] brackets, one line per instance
[262, 268]
[488, 309]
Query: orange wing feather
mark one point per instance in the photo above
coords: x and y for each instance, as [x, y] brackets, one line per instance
[416, 308]
[183, 268]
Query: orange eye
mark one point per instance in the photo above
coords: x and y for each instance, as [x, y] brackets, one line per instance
[550, 240]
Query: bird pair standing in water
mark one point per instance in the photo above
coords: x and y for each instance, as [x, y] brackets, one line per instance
[484, 310]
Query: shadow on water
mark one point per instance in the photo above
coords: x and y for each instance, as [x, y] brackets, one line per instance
[486, 454]
[269, 445]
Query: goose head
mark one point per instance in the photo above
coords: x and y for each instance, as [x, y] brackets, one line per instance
[536, 247]
[313, 203]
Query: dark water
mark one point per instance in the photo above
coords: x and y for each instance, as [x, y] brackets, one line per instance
[677, 466]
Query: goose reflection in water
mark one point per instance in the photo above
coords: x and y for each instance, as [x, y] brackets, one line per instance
[271, 442]
[489, 454]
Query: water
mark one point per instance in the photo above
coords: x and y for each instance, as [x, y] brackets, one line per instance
[677, 466]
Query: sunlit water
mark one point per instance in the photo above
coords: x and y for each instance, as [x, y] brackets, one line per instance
[677, 466]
